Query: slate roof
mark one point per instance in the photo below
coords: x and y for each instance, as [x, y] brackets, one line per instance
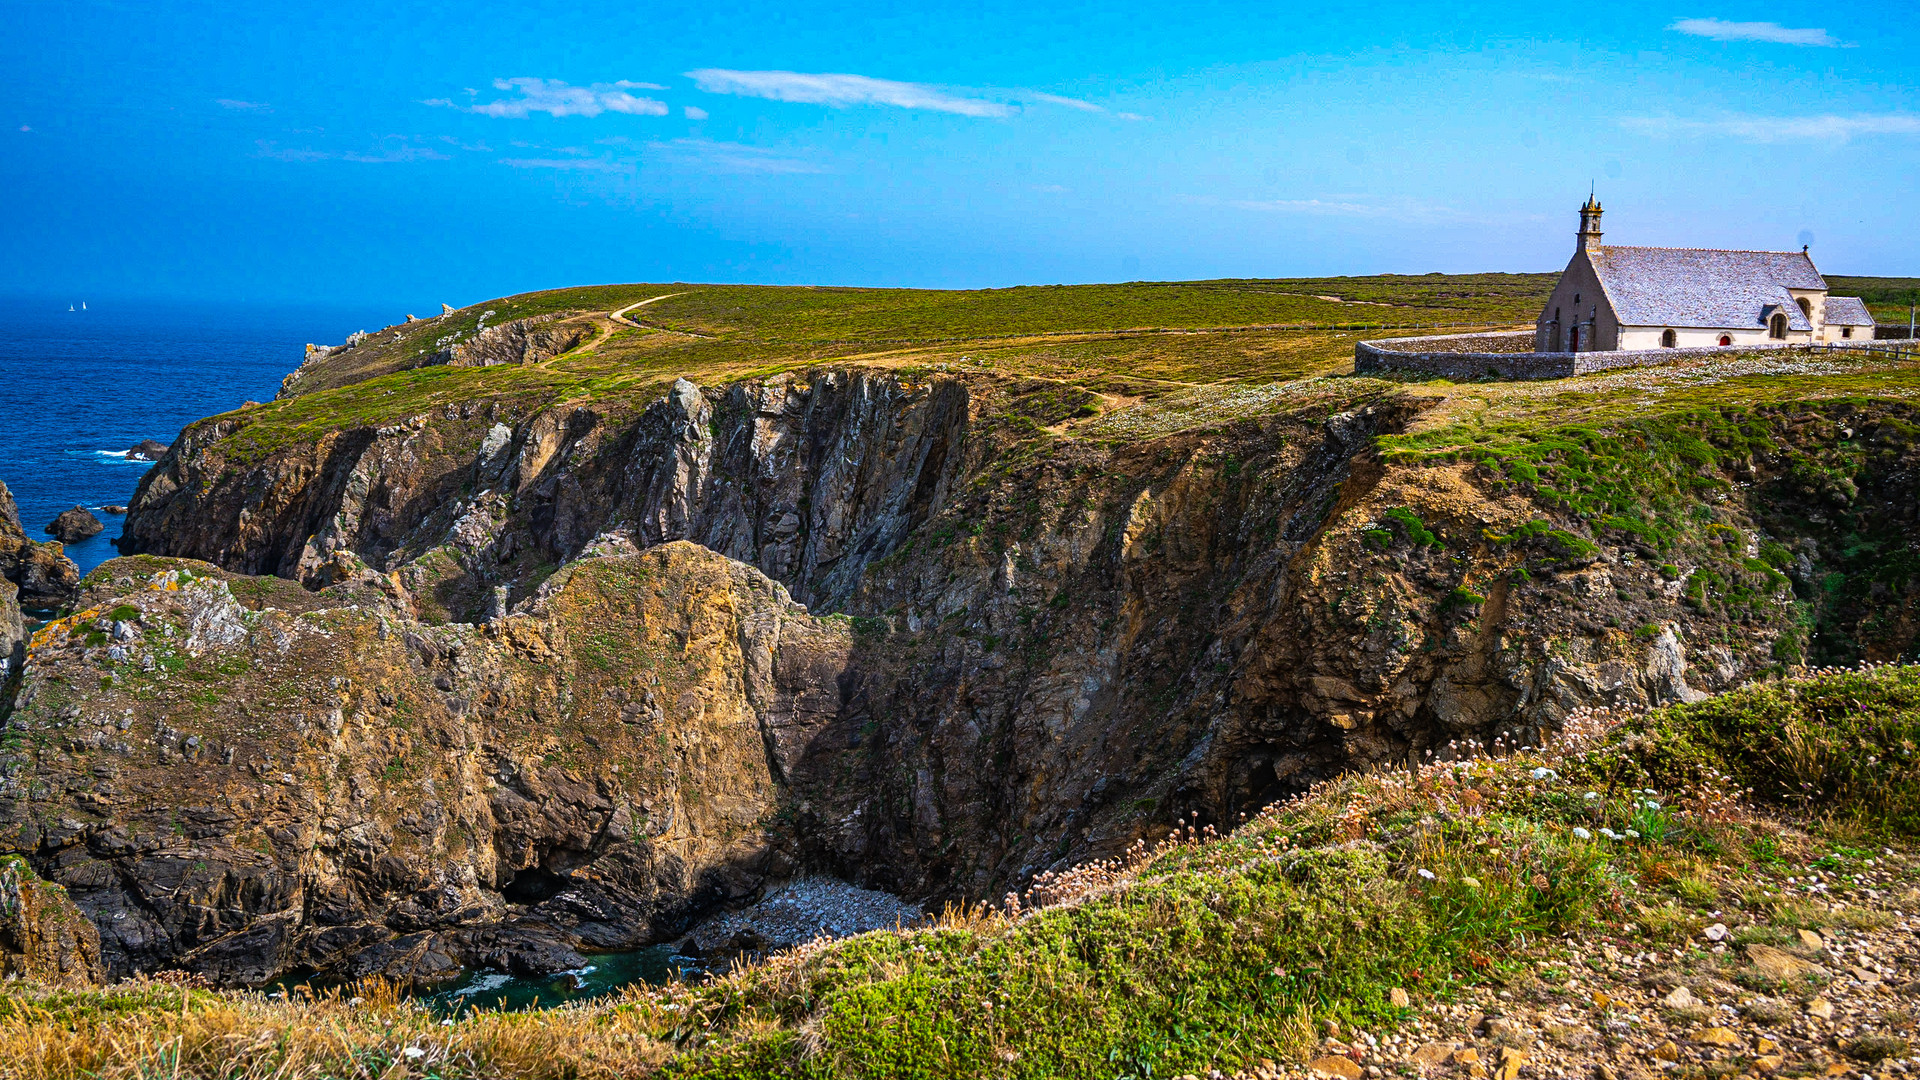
[1703, 287]
[1848, 311]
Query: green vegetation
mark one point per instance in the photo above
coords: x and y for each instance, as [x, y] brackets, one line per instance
[1201, 951]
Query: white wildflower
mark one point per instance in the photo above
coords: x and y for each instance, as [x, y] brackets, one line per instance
[1581, 834]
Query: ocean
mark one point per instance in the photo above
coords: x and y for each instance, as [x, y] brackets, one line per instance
[79, 388]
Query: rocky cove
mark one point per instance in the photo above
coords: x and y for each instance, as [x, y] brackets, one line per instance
[503, 682]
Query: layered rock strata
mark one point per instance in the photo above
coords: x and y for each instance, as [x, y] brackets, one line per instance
[1047, 649]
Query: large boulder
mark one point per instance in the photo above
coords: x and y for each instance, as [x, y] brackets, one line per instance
[147, 450]
[75, 524]
[42, 573]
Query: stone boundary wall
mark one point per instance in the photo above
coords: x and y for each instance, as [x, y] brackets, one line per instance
[1481, 356]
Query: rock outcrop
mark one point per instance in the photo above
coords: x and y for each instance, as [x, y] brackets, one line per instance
[487, 731]
[147, 450]
[522, 341]
[75, 524]
[43, 936]
[314, 782]
[42, 575]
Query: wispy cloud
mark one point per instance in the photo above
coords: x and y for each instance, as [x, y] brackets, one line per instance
[694, 112]
[557, 98]
[1316, 207]
[572, 164]
[840, 91]
[243, 106]
[394, 149]
[1770, 32]
[733, 157]
[1344, 205]
[1071, 103]
[1768, 129]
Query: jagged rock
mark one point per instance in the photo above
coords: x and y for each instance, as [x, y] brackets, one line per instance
[41, 572]
[1044, 652]
[42, 935]
[147, 450]
[75, 524]
[522, 341]
[13, 635]
[378, 796]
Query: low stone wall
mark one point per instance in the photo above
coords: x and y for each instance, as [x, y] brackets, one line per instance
[1493, 356]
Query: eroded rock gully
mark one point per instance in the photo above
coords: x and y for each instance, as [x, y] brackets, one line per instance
[447, 751]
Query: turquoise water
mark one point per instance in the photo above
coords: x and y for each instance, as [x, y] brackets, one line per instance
[604, 974]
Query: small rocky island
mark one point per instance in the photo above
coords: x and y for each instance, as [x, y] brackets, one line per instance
[75, 524]
[146, 450]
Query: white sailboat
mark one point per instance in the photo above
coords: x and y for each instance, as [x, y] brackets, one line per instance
[69, 307]
[83, 305]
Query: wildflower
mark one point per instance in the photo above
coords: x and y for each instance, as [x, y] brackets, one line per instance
[1581, 834]
[1544, 773]
[1591, 795]
[1427, 874]
[1633, 834]
[413, 1053]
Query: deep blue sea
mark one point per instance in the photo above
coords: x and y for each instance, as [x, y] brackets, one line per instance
[79, 387]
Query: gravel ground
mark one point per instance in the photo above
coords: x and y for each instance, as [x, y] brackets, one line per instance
[1832, 992]
[796, 913]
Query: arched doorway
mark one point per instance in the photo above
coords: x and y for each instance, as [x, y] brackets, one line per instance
[1668, 339]
[1573, 339]
[1726, 339]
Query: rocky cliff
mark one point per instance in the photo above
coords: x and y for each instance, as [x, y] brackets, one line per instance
[237, 777]
[40, 572]
[43, 936]
[544, 690]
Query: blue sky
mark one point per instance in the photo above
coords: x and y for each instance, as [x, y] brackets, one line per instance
[411, 153]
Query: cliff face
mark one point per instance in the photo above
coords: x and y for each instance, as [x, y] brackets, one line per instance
[40, 572]
[239, 778]
[43, 936]
[806, 478]
[495, 735]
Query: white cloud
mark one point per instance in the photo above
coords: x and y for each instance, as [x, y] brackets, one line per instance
[695, 113]
[1071, 103]
[1773, 33]
[24, 127]
[840, 91]
[1316, 207]
[557, 98]
[1132, 116]
[733, 157]
[1768, 129]
[243, 106]
[395, 149]
[571, 164]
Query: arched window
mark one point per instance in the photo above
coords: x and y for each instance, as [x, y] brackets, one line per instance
[1806, 308]
[1777, 327]
[1668, 339]
[1726, 339]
